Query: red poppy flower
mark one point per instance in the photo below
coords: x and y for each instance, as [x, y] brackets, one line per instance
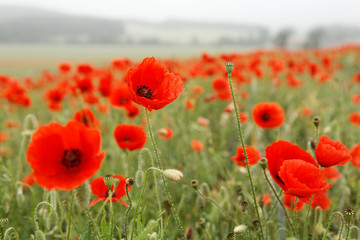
[197, 145]
[221, 86]
[64, 67]
[355, 153]
[165, 133]
[85, 85]
[355, 119]
[321, 199]
[253, 156]
[86, 117]
[203, 121]
[244, 118]
[28, 180]
[301, 178]
[289, 202]
[120, 96]
[268, 115]
[331, 173]
[129, 136]
[266, 199]
[99, 188]
[64, 157]
[294, 170]
[330, 153]
[152, 85]
[3, 137]
[132, 111]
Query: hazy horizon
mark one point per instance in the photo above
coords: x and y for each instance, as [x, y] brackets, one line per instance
[277, 14]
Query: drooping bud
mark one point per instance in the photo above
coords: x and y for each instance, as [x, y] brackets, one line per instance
[83, 194]
[263, 163]
[240, 229]
[173, 174]
[152, 236]
[194, 183]
[108, 180]
[229, 67]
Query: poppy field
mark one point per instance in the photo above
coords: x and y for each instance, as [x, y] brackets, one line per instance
[240, 145]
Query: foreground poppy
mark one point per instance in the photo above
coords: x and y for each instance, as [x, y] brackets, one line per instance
[330, 153]
[64, 157]
[152, 85]
[295, 170]
[268, 115]
[253, 156]
[129, 136]
[99, 188]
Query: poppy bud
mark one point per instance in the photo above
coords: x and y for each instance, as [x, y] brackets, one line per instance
[316, 121]
[319, 229]
[229, 66]
[4, 222]
[244, 204]
[39, 235]
[263, 163]
[256, 223]
[173, 174]
[130, 181]
[83, 195]
[194, 183]
[240, 229]
[108, 180]
[188, 232]
[349, 214]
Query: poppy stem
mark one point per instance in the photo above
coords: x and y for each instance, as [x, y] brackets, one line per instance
[245, 154]
[295, 217]
[111, 213]
[127, 211]
[278, 198]
[329, 224]
[307, 216]
[173, 208]
[88, 212]
[69, 212]
[141, 194]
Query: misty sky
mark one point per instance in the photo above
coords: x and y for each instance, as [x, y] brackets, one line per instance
[276, 14]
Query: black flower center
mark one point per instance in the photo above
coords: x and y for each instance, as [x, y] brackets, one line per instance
[265, 117]
[71, 158]
[144, 91]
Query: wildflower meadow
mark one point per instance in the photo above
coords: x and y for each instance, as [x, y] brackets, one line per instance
[241, 145]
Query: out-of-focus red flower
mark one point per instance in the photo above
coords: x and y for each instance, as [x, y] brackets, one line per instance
[266, 199]
[355, 119]
[11, 124]
[203, 121]
[289, 202]
[64, 67]
[64, 157]
[295, 170]
[105, 85]
[322, 200]
[91, 98]
[190, 105]
[330, 153]
[197, 145]
[152, 85]
[120, 96]
[306, 111]
[357, 77]
[244, 118]
[85, 84]
[129, 136]
[253, 156]
[222, 89]
[99, 188]
[331, 173]
[86, 117]
[132, 110]
[85, 68]
[28, 180]
[355, 98]
[165, 133]
[355, 153]
[3, 137]
[268, 115]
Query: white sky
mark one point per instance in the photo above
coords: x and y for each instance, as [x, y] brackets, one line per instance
[301, 14]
